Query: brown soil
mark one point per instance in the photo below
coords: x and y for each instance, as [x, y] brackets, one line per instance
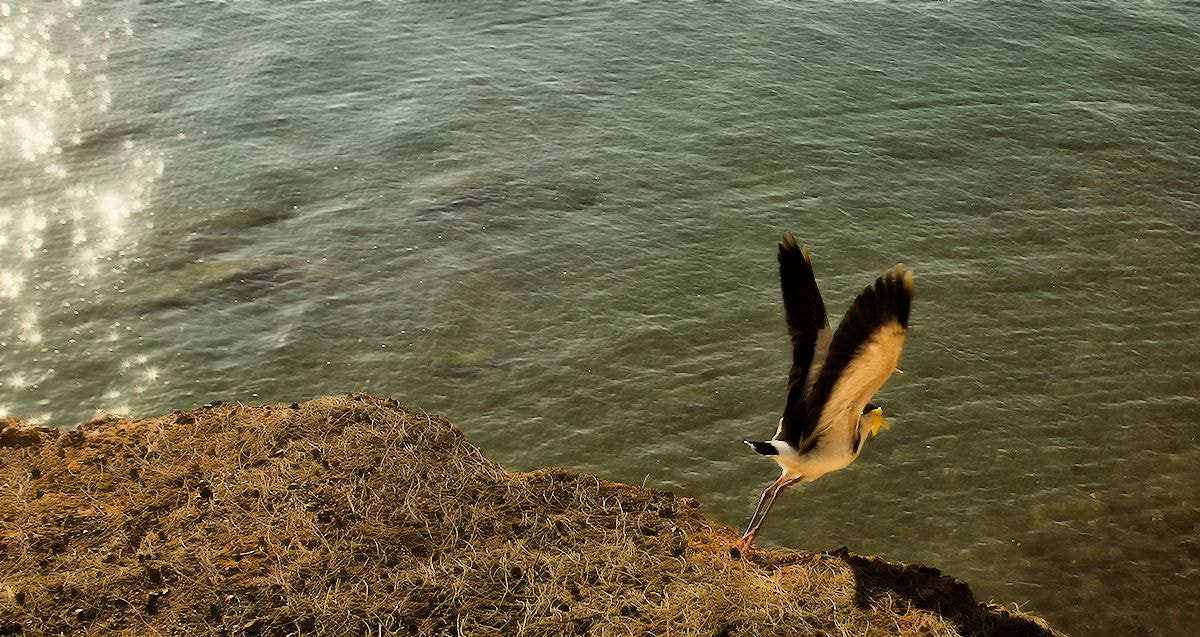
[350, 515]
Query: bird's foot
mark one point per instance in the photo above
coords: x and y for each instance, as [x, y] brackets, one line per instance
[745, 544]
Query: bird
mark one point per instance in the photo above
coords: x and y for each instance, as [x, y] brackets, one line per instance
[828, 414]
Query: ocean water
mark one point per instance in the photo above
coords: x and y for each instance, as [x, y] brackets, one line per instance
[555, 223]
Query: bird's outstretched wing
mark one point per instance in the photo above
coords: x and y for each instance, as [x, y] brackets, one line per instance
[864, 353]
[809, 328]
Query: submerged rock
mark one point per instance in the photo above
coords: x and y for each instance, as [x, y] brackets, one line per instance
[194, 283]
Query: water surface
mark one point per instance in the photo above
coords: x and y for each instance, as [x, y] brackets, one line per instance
[555, 223]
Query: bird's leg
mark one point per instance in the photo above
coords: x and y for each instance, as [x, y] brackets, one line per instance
[765, 502]
[752, 527]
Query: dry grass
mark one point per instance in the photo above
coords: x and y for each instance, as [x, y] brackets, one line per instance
[349, 515]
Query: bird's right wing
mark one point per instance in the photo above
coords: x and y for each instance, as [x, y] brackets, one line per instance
[808, 327]
[864, 353]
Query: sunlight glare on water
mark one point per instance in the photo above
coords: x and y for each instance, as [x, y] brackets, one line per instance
[67, 225]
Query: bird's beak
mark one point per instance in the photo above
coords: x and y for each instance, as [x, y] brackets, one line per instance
[877, 421]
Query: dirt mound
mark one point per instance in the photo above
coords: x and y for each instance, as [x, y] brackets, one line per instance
[350, 515]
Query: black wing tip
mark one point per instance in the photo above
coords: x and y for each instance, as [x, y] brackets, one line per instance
[890, 296]
[788, 240]
[894, 291]
[788, 248]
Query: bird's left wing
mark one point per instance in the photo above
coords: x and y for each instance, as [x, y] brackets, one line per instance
[863, 354]
[808, 328]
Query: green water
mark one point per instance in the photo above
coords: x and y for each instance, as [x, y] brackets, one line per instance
[555, 222]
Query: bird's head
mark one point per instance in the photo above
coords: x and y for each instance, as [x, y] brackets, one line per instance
[872, 417]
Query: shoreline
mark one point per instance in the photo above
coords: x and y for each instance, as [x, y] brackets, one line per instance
[350, 513]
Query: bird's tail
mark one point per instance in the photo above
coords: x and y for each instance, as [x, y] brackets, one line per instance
[762, 447]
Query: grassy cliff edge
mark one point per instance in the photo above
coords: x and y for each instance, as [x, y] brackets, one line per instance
[350, 515]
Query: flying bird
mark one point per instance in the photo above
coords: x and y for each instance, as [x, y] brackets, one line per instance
[828, 414]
